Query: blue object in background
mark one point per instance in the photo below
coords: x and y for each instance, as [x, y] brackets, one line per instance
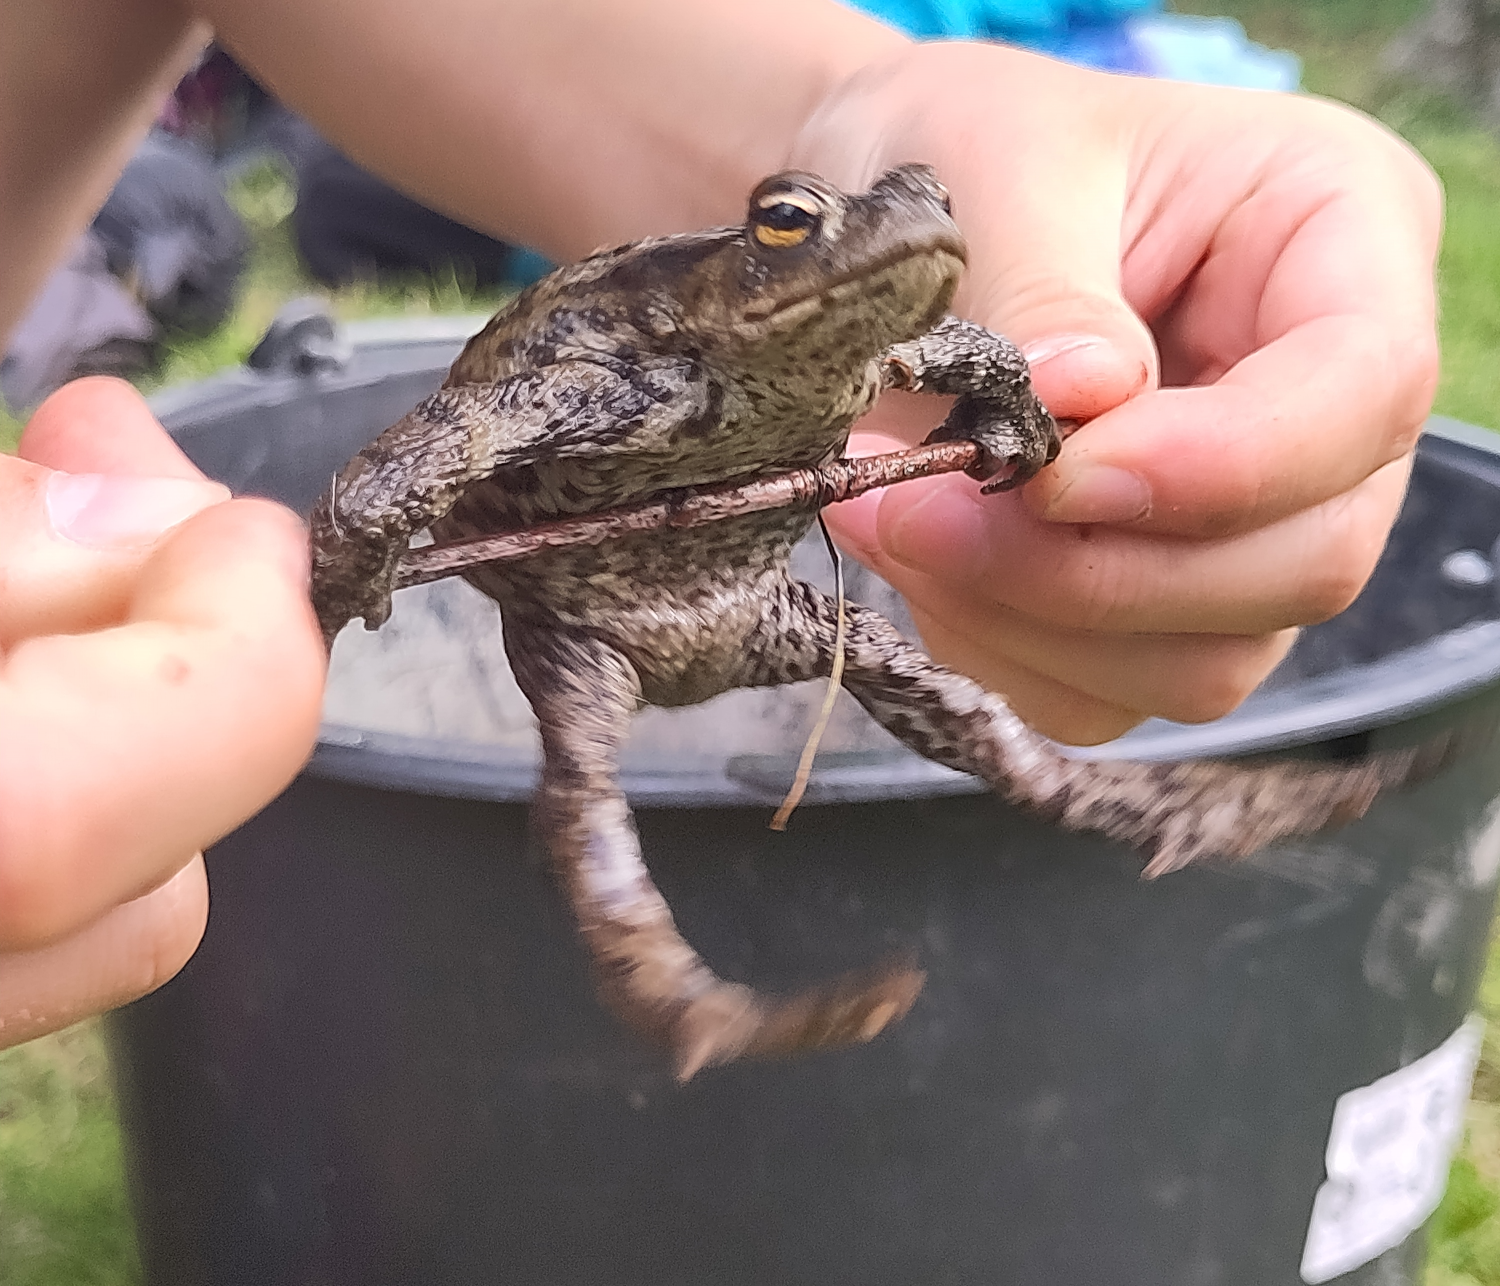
[1021, 21]
[525, 266]
[1116, 35]
[1211, 51]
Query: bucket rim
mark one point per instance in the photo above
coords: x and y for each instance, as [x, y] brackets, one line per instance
[1359, 699]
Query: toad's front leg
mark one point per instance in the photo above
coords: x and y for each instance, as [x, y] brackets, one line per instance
[584, 693]
[415, 471]
[996, 408]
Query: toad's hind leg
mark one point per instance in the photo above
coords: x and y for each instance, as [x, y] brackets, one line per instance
[1174, 812]
[583, 693]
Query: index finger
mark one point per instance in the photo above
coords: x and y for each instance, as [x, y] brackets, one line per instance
[126, 749]
[1304, 327]
[100, 424]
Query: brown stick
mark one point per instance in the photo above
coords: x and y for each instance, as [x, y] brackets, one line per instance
[819, 486]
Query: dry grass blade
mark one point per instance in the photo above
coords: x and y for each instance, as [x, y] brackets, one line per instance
[835, 678]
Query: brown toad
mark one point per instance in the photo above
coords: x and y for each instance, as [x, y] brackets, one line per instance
[717, 357]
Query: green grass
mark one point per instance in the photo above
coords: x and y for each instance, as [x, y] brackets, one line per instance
[1465, 1243]
[63, 1216]
[264, 197]
[1469, 274]
[64, 1220]
[1464, 1236]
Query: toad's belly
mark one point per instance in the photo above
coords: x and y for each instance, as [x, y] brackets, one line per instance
[684, 606]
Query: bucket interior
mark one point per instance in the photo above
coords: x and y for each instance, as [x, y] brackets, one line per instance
[429, 699]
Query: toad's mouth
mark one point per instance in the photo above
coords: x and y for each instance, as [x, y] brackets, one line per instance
[791, 309]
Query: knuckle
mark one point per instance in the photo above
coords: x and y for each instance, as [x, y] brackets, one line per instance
[33, 895]
[1331, 585]
[1405, 350]
[177, 917]
[1240, 472]
[1420, 361]
[1425, 186]
[1218, 674]
[1413, 175]
[1106, 590]
[1203, 701]
[1074, 718]
[1079, 729]
[1339, 562]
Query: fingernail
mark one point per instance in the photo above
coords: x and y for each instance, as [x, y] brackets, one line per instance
[1100, 493]
[1050, 346]
[111, 511]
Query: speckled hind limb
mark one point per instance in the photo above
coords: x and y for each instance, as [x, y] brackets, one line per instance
[996, 406]
[1176, 813]
[584, 693]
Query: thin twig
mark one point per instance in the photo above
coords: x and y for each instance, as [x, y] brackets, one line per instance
[823, 485]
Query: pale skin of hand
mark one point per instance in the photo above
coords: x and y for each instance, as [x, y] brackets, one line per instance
[160, 678]
[1235, 291]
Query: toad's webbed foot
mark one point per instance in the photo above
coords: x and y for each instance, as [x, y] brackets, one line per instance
[583, 693]
[996, 408]
[1176, 813]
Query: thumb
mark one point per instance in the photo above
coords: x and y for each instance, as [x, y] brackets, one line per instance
[1047, 276]
[1037, 159]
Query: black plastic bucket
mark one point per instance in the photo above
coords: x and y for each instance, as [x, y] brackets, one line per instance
[386, 1063]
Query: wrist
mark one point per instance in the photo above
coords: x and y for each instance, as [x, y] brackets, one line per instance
[948, 103]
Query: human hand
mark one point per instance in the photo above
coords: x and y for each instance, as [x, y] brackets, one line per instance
[160, 679]
[1234, 290]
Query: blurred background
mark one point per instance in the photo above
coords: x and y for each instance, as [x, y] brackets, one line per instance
[233, 207]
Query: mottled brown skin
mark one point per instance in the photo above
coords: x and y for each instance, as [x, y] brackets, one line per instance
[720, 356]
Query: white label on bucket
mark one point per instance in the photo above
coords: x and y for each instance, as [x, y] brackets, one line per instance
[1388, 1156]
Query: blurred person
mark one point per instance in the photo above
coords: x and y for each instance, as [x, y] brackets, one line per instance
[163, 255]
[168, 229]
[1232, 290]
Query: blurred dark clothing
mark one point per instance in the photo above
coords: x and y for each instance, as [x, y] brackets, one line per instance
[170, 232]
[217, 107]
[351, 226]
[166, 252]
[348, 225]
[84, 322]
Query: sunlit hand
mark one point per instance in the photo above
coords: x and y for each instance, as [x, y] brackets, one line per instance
[160, 679]
[1235, 290]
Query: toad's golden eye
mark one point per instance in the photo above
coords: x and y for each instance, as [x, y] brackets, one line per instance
[784, 220]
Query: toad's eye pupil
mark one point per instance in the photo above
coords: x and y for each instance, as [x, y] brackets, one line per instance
[786, 217]
[781, 220]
